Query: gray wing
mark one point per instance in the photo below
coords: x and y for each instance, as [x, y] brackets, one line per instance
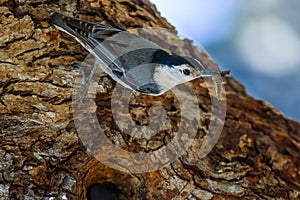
[140, 78]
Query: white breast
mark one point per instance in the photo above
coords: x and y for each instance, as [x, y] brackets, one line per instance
[167, 77]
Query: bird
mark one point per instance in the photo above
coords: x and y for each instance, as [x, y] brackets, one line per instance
[131, 60]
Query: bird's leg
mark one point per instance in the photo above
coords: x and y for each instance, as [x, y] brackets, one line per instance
[86, 82]
[76, 65]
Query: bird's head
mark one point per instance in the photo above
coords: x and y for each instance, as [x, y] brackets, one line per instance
[179, 69]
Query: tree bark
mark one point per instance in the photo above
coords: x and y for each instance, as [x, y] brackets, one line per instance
[256, 157]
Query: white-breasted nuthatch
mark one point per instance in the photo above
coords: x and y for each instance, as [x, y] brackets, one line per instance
[144, 67]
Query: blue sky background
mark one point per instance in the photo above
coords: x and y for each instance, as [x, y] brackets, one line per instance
[259, 41]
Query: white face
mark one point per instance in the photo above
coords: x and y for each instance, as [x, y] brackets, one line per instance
[185, 73]
[168, 77]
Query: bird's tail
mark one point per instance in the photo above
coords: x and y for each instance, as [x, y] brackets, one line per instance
[90, 35]
[81, 29]
[78, 29]
[63, 22]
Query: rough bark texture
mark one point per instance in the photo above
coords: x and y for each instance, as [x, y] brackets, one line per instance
[257, 156]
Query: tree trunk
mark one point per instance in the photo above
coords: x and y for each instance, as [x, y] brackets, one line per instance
[43, 155]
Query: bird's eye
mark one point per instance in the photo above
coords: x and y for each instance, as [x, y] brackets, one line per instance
[186, 72]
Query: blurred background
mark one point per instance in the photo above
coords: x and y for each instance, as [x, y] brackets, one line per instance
[259, 41]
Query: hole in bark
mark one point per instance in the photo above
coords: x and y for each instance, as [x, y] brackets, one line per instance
[102, 191]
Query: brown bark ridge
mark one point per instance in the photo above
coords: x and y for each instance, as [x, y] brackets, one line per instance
[42, 157]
